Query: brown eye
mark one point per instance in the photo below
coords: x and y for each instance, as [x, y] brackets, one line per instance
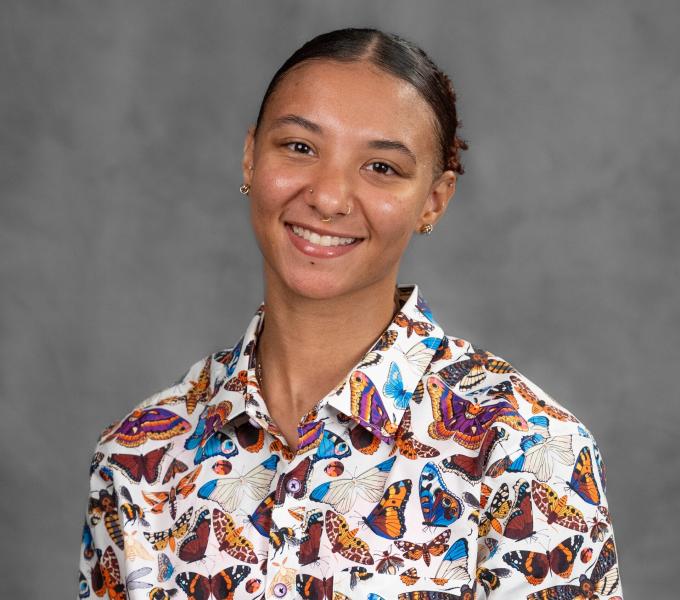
[299, 147]
[382, 168]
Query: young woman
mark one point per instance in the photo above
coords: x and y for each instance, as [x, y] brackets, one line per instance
[346, 446]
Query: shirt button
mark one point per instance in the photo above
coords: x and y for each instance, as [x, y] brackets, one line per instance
[293, 485]
[280, 590]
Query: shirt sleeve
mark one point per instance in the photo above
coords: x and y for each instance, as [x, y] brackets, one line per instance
[544, 527]
[101, 548]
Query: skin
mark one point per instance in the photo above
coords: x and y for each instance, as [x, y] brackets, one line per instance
[323, 314]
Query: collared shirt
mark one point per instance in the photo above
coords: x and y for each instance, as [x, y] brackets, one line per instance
[434, 470]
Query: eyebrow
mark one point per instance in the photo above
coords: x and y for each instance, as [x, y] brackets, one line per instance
[314, 128]
[297, 120]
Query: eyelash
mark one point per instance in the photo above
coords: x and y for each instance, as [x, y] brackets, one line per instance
[383, 164]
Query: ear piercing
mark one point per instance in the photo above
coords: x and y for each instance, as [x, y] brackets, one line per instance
[427, 229]
[244, 189]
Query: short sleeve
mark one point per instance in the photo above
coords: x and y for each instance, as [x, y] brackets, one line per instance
[544, 527]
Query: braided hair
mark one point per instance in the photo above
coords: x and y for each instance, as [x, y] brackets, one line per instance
[396, 56]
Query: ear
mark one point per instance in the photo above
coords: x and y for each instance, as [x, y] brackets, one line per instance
[247, 165]
[442, 190]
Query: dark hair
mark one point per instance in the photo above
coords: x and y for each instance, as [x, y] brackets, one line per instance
[398, 57]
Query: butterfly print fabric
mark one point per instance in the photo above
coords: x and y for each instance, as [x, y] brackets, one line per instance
[434, 470]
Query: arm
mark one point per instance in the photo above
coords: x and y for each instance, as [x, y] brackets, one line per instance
[101, 549]
[544, 525]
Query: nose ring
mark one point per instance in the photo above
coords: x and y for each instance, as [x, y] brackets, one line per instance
[329, 219]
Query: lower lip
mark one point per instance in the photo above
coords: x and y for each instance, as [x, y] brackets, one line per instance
[316, 250]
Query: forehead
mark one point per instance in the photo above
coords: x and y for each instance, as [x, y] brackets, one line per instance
[355, 96]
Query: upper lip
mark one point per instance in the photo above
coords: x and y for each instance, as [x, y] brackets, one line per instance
[322, 232]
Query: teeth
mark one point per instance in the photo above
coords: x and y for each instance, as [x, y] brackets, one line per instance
[321, 240]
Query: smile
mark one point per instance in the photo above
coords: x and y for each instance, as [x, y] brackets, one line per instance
[321, 240]
[316, 245]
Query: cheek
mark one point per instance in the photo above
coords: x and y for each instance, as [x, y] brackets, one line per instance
[272, 185]
[392, 218]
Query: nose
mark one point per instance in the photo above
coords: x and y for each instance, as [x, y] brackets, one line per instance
[330, 192]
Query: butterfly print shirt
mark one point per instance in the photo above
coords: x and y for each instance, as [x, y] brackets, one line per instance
[434, 470]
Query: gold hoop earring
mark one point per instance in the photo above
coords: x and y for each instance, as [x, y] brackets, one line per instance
[244, 189]
[427, 229]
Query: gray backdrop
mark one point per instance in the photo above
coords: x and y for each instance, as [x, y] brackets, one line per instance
[126, 252]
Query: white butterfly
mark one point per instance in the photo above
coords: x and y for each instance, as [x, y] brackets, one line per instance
[341, 494]
[455, 562]
[228, 492]
[539, 452]
[133, 548]
[421, 353]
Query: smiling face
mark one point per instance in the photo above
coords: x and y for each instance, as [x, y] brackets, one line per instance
[361, 140]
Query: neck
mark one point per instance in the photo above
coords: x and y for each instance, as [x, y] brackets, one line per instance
[308, 345]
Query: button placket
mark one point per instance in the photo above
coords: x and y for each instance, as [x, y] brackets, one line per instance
[283, 562]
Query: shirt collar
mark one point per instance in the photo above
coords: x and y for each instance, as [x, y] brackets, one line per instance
[377, 390]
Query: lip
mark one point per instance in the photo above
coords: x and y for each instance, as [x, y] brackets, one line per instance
[318, 251]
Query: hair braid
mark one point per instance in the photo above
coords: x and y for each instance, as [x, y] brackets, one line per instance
[457, 144]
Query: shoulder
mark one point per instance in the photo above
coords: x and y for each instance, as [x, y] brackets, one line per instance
[172, 410]
[472, 376]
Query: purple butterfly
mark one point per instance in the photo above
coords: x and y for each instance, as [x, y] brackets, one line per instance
[148, 424]
[368, 407]
[465, 421]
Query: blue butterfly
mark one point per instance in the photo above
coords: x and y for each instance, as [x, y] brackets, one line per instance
[424, 308]
[165, 568]
[601, 469]
[455, 562]
[87, 542]
[440, 507]
[332, 446]
[83, 587]
[219, 444]
[394, 388]
[229, 358]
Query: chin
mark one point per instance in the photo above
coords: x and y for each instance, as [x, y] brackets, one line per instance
[321, 286]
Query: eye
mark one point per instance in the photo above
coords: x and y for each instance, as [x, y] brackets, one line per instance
[299, 147]
[382, 168]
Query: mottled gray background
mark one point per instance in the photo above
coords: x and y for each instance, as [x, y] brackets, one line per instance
[126, 252]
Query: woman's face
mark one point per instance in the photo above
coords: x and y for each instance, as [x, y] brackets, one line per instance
[336, 137]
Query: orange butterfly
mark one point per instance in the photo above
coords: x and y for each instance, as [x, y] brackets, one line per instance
[498, 509]
[422, 328]
[161, 539]
[106, 576]
[407, 445]
[556, 509]
[583, 478]
[174, 468]
[538, 404]
[472, 371]
[387, 517]
[536, 566]
[159, 500]
[410, 576]
[344, 540]
[200, 390]
[435, 547]
[230, 538]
